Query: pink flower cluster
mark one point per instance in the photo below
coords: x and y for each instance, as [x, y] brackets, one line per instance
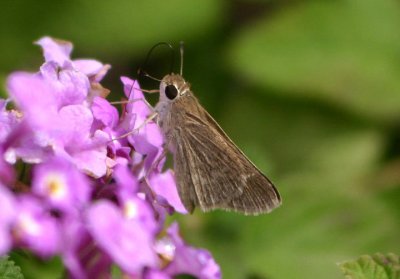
[72, 185]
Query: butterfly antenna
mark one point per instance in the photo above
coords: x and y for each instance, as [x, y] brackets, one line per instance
[131, 89]
[181, 50]
[141, 72]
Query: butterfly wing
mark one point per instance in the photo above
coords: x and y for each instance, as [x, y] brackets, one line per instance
[211, 171]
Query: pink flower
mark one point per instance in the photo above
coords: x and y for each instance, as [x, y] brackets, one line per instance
[94, 191]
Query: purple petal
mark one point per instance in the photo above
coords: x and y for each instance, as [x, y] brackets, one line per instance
[135, 95]
[8, 120]
[148, 139]
[32, 148]
[163, 184]
[149, 142]
[189, 260]
[34, 97]
[75, 124]
[69, 86]
[34, 228]
[131, 88]
[125, 180]
[94, 69]
[82, 258]
[74, 236]
[5, 240]
[91, 157]
[7, 205]
[89, 67]
[3, 104]
[38, 105]
[141, 111]
[88, 153]
[126, 240]
[156, 274]
[104, 112]
[55, 50]
[137, 104]
[135, 207]
[8, 211]
[7, 173]
[61, 184]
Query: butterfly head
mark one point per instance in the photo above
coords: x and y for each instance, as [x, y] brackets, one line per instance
[173, 86]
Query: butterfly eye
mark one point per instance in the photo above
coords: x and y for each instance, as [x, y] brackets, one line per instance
[171, 92]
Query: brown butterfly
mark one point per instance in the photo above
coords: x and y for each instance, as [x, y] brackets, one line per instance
[211, 171]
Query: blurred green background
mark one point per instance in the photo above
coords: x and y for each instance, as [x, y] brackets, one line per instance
[310, 90]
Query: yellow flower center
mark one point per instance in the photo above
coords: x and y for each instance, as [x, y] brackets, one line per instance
[28, 225]
[130, 210]
[56, 186]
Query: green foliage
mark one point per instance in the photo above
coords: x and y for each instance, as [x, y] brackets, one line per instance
[33, 267]
[377, 266]
[340, 52]
[8, 269]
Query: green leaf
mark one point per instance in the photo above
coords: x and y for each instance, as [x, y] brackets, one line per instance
[377, 266]
[8, 269]
[344, 53]
[34, 267]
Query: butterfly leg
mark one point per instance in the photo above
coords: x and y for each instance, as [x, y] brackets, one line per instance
[133, 101]
[157, 161]
[145, 178]
[144, 123]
